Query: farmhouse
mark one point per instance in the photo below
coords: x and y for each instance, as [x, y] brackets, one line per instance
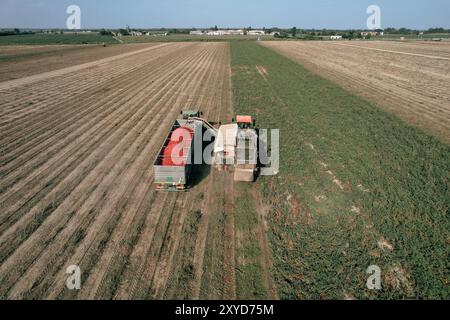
[256, 32]
[224, 33]
[230, 32]
[364, 34]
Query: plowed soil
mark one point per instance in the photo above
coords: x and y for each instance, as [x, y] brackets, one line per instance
[22, 61]
[77, 149]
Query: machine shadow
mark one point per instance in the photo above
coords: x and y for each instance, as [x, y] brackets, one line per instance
[199, 173]
[263, 152]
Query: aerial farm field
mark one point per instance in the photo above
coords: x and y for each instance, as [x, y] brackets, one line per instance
[358, 186]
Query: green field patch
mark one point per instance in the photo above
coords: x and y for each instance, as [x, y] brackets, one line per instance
[44, 39]
[249, 281]
[357, 186]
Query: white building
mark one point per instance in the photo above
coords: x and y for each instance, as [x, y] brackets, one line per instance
[256, 32]
[217, 33]
[230, 32]
[236, 32]
[225, 145]
[336, 38]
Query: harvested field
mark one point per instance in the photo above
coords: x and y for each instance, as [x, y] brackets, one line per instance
[22, 61]
[411, 80]
[77, 149]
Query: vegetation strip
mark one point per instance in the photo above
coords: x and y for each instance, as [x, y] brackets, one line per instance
[358, 186]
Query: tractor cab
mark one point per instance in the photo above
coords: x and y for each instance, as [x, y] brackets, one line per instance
[245, 122]
[186, 114]
[246, 155]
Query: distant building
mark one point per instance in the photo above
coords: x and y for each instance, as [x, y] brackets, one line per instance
[275, 34]
[196, 33]
[335, 37]
[156, 34]
[230, 32]
[239, 32]
[256, 32]
[77, 31]
[217, 33]
[365, 34]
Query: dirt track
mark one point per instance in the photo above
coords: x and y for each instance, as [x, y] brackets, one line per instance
[410, 80]
[76, 158]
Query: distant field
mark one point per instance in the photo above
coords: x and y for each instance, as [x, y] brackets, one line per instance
[39, 39]
[357, 187]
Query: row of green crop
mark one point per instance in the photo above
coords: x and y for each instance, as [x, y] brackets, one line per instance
[357, 187]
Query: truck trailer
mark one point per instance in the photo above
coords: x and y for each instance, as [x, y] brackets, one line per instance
[235, 149]
[174, 163]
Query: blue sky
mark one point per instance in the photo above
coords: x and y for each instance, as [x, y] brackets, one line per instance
[336, 14]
